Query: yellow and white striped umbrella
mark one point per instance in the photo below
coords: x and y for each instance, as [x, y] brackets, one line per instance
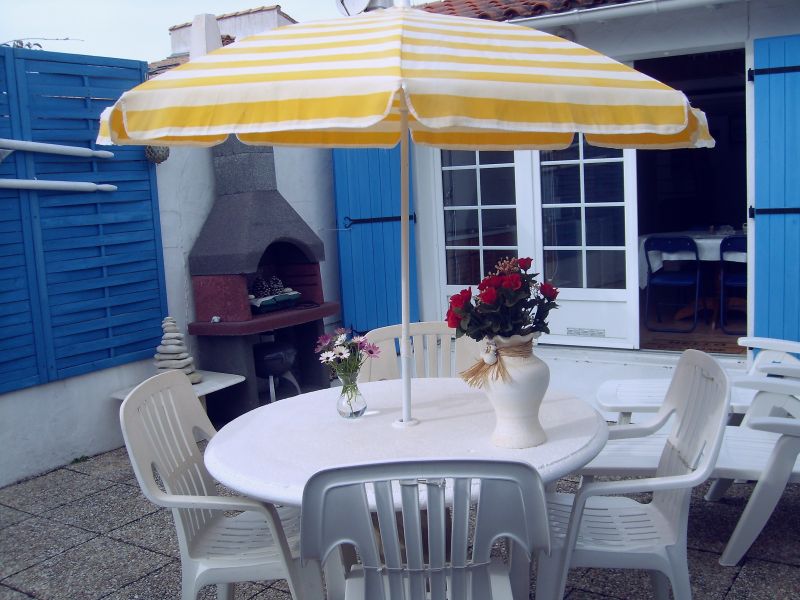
[366, 81]
[466, 83]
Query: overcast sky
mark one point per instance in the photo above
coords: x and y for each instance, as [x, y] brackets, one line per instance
[137, 29]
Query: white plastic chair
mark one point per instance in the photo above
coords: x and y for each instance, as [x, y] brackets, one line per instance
[408, 555]
[627, 396]
[598, 528]
[764, 448]
[435, 351]
[161, 422]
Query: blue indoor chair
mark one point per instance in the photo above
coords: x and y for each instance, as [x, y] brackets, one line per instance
[733, 277]
[683, 274]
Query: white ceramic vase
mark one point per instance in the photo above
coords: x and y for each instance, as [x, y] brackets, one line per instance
[516, 401]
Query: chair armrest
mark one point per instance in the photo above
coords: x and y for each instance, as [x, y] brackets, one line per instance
[770, 344]
[780, 370]
[619, 432]
[782, 425]
[635, 486]
[238, 503]
[774, 385]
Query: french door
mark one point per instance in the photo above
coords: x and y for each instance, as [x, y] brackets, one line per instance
[573, 211]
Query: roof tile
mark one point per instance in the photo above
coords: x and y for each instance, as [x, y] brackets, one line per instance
[506, 10]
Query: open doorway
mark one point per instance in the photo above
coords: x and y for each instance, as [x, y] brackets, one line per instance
[700, 194]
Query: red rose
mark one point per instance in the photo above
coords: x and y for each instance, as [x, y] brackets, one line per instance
[524, 263]
[460, 299]
[512, 282]
[453, 320]
[488, 296]
[548, 291]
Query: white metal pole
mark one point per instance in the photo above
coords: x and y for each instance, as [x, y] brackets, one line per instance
[405, 347]
[53, 149]
[55, 186]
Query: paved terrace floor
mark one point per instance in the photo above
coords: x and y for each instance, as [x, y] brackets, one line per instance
[84, 531]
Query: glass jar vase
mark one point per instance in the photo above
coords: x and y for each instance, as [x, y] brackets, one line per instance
[351, 403]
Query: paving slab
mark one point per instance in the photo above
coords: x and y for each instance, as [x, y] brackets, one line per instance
[35, 540]
[114, 466]
[105, 510]
[155, 532]
[581, 595]
[11, 516]
[273, 593]
[48, 491]
[92, 570]
[6, 593]
[166, 583]
[762, 580]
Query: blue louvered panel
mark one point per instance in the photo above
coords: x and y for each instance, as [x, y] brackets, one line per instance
[21, 345]
[97, 256]
[777, 148]
[367, 185]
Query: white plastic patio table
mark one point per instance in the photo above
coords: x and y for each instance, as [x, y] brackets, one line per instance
[270, 453]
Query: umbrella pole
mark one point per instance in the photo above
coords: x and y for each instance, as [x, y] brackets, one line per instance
[405, 347]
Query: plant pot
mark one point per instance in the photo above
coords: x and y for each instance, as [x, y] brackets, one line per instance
[516, 400]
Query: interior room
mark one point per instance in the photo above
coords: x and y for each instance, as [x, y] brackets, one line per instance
[700, 194]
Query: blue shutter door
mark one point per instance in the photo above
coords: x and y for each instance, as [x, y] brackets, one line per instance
[777, 185]
[367, 186]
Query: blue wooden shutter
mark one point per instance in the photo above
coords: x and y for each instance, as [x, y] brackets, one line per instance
[367, 187]
[777, 184]
[21, 345]
[94, 259]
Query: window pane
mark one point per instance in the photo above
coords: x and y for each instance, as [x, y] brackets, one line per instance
[463, 267]
[603, 182]
[460, 188]
[497, 186]
[561, 183]
[605, 269]
[568, 153]
[492, 257]
[590, 151]
[499, 227]
[561, 226]
[563, 268]
[496, 158]
[461, 227]
[457, 158]
[605, 226]
[596, 152]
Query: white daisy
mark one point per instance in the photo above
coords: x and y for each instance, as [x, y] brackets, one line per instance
[359, 338]
[341, 352]
[341, 340]
[326, 357]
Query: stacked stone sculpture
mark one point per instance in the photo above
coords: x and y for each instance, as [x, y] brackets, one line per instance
[172, 353]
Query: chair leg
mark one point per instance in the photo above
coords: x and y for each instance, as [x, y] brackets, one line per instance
[290, 376]
[763, 500]
[718, 489]
[549, 575]
[224, 591]
[679, 572]
[660, 584]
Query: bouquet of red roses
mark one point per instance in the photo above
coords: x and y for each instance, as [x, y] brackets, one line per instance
[510, 302]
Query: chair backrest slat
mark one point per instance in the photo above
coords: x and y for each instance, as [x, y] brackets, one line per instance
[338, 505]
[699, 396]
[434, 349]
[160, 419]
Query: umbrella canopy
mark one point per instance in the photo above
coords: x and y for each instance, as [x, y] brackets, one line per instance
[368, 80]
[466, 83]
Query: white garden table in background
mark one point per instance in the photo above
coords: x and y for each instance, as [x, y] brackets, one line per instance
[270, 452]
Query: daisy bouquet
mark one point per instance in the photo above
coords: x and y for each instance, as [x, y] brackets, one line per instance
[344, 354]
